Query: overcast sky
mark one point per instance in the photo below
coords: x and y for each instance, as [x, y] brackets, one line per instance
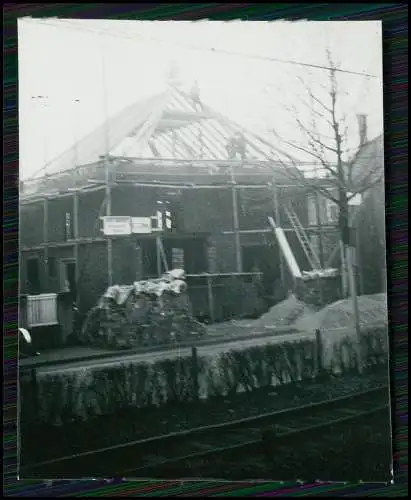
[62, 59]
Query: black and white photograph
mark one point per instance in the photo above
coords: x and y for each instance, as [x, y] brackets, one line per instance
[202, 244]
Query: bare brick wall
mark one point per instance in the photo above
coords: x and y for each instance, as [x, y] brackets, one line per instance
[371, 237]
[57, 209]
[89, 207]
[125, 265]
[93, 273]
[58, 254]
[31, 224]
[134, 201]
[207, 210]
[225, 253]
[24, 257]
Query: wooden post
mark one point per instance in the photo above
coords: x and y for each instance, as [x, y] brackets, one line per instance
[319, 225]
[75, 203]
[210, 297]
[108, 214]
[173, 143]
[353, 291]
[45, 240]
[194, 373]
[200, 139]
[278, 222]
[356, 312]
[236, 227]
[343, 271]
[107, 164]
[76, 244]
[358, 260]
[319, 352]
[23, 313]
[34, 387]
[158, 253]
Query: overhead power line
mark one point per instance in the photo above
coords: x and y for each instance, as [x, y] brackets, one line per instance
[119, 34]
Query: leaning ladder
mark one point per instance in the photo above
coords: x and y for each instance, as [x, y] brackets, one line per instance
[309, 251]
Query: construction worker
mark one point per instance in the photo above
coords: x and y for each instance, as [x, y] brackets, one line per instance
[195, 96]
[231, 149]
[236, 146]
[240, 144]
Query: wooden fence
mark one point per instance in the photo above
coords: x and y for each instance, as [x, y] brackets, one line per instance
[42, 310]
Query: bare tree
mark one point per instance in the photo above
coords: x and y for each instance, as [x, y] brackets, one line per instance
[325, 142]
[343, 180]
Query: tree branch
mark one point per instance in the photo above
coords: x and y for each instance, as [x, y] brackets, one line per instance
[315, 138]
[320, 158]
[318, 101]
[341, 174]
[296, 174]
[366, 186]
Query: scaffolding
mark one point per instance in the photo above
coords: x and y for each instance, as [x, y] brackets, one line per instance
[180, 136]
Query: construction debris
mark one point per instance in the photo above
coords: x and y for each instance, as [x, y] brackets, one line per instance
[146, 313]
[320, 273]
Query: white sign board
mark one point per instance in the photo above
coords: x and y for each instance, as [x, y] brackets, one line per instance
[356, 200]
[116, 226]
[141, 225]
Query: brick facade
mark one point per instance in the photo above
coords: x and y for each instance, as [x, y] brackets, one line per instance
[202, 216]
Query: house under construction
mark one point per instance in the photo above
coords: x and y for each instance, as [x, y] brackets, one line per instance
[166, 183]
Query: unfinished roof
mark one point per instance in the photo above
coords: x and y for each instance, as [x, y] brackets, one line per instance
[170, 125]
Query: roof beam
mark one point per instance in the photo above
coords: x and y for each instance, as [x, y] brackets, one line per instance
[189, 130]
[163, 143]
[41, 197]
[188, 116]
[218, 136]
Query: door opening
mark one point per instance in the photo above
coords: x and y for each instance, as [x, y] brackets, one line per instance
[263, 259]
[33, 276]
[69, 269]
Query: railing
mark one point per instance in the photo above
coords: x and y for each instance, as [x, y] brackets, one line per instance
[42, 310]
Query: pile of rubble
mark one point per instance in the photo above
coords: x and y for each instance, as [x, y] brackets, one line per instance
[320, 273]
[146, 313]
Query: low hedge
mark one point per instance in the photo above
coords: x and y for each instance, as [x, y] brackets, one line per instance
[64, 398]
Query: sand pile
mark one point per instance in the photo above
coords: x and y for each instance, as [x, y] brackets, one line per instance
[283, 314]
[286, 313]
[295, 313]
[372, 311]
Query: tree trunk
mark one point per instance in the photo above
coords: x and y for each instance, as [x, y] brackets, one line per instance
[344, 235]
[343, 267]
[354, 298]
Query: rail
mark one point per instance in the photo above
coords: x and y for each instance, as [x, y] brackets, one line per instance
[42, 310]
[206, 441]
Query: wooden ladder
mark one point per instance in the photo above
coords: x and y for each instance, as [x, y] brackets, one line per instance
[312, 257]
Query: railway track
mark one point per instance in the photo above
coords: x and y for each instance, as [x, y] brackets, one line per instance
[150, 457]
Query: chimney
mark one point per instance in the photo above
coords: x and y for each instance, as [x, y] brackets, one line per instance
[362, 125]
